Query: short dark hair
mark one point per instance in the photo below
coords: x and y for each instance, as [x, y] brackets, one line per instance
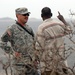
[46, 11]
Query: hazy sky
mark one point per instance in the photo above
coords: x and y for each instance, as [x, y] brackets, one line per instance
[7, 7]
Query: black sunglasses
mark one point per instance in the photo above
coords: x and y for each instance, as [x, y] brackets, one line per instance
[26, 14]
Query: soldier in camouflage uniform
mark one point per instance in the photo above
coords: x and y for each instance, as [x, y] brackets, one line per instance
[21, 38]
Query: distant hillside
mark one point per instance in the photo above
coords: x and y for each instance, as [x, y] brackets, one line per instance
[32, 22]
[34, 19]
[5, 22]
[6, 18]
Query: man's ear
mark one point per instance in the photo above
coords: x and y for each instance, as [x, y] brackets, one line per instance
[17, 15]
[41, 15]
[51, 14]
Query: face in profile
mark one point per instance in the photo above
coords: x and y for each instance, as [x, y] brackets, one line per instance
[23, 18]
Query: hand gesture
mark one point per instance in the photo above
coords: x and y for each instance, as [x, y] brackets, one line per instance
[60, 17]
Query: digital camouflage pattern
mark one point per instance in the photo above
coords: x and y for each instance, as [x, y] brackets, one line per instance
[21, 46]
[22, 10]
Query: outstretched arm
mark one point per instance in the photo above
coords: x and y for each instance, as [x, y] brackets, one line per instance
[67, 27]
[61, 18]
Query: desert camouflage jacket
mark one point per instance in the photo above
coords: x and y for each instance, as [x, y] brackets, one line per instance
[50, 42]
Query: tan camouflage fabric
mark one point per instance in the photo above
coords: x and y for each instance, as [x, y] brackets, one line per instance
[50, 43]
[21, 42]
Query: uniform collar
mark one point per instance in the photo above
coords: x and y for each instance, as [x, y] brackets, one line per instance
[49, 19]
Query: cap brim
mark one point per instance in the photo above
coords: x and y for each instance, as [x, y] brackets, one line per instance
[26, 13]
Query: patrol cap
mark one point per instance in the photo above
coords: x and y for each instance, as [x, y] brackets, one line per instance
[22, 10]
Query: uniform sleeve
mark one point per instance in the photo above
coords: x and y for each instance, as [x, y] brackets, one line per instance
[39, 45]
[6, 36]
[67, 29]
[4, 41]
[40, 41]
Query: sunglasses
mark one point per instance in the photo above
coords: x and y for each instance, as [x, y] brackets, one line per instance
[26, 14]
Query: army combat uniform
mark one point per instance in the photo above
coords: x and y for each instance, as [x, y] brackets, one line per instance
[22, 45]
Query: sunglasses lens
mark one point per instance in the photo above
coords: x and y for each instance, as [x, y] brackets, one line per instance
[26, 14]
